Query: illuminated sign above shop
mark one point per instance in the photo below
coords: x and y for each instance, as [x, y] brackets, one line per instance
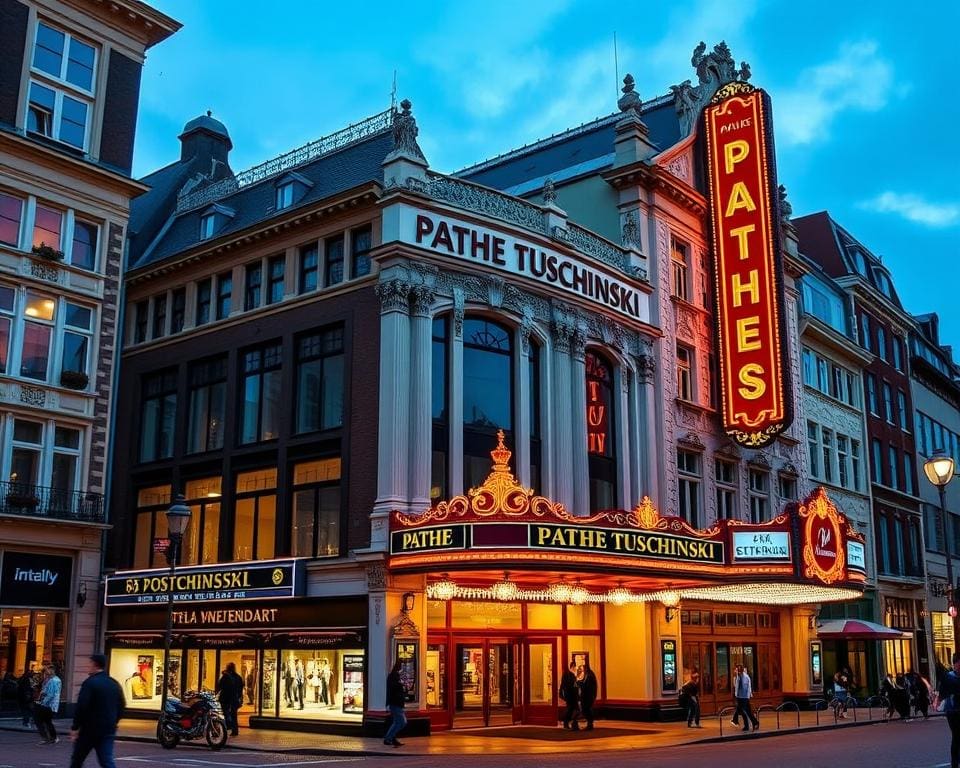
[748, 274]
[591, 282]
[826, 540]
[208, 583]
[761, 546]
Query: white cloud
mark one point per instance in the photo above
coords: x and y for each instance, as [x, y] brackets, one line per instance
[857, 78]
[914, 208]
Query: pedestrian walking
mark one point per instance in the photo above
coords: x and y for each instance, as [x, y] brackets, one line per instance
[570, 695]
[25, 696]
[743, 691]
[100, 705]
[48, 705]
[948, 702]
[230, 696]
[840, 694]
[588, 694]
[396, 696]
[690, 700]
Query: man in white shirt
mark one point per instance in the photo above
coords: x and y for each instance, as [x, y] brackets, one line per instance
[743, 692]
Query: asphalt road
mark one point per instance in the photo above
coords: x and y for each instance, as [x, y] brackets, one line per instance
[894, 745]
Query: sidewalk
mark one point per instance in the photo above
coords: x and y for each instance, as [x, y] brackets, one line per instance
[609, 735]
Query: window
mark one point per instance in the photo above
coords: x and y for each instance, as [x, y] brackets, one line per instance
[316, 508]
[334, 261]
[813, 445]
[888, 402]
[678, 260]
[208, 398]
[601, 447]
[934, 531]
[262, 396]
[251, 292]
[285, 195]
[11, 214]
[141, 317]
[26, 454]
[7, 319]
[77, 339]
[726, 472]
[908, 473]
[788, 487]
[843, 459]
[38, 325]
[897, 353]
[865, 338]
[224, 294]
[201, 540]
[360, 256]
[876, 448]
[151, 524]
[759, 481]
[308, 268]
[488, 394]
[83, 253]
[76, 67]
[882, 344]
[158, 415]
[684, 373]
[320, 381]
[255, 515]
[822, 302]
[872, 393]
[275, 271]
[893, 466]
[178, 310]
[159, 316]
[440, 396]
[47, 226]
[855, 470]
[203, 302]
[688, 486]
[902, 409]
[208, 226]
[883, 282]
[827, 436]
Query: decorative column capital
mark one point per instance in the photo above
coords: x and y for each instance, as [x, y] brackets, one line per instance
[578, 343]
[394, 295]
[526, 328]
[423, 296]
[646, 368]
[562, 333]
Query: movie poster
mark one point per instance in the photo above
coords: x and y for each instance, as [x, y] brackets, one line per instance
[352, 684]
[142, 681]
[407, 655]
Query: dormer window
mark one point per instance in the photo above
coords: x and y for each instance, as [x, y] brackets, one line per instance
[289, 189]
[213, 219]
[883, 283]
[285, 195]
[208, 225]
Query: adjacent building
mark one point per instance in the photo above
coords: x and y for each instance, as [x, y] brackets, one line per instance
[69, 84]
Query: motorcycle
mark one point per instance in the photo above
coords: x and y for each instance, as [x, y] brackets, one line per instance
[198, 716]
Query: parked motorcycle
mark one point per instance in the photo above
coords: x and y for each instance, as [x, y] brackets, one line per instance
[197, 716]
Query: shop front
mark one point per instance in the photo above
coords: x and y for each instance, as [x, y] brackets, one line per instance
[302, 659]
[515, 589]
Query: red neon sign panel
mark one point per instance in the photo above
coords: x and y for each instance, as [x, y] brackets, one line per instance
[745, 228]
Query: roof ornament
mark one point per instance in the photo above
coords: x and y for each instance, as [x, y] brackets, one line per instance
[405, 131]
[714, 70]
[786, 210]
[630, 99]
[549, 193]
[630, 234]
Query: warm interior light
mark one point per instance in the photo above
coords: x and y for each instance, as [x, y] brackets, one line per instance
[213, 494]
[445, 589]
[578, 594]
[669, 598]
[772, 594]
[31, 312]
[504, 590]
[559, 592]
[939, 468]
[619, 595]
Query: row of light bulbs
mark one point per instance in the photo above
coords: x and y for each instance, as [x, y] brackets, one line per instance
[575, 593]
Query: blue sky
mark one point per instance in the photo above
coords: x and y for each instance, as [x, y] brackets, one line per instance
[864, 94]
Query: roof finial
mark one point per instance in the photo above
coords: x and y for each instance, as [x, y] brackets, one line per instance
[405, 131]
[209, 113]
[549, 192]
[630, 99]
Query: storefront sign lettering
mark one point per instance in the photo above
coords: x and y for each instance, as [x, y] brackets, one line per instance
[238, 616]
[499, 250]
[761, 545]
[35, 579]
[280, 578]
[748, 274]
[632, 543]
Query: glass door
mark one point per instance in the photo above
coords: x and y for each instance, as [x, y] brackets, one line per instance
[540, 681]
[470, 674]
[487, 682]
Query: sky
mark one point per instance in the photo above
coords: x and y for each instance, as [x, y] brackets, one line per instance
[864, 93]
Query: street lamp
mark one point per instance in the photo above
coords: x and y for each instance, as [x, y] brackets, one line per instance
[178, 516]
[939, 470]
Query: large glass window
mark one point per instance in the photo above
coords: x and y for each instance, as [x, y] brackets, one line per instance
[487, 394]
[678, 260]
[38, 318]
[203, 302]
[320, 381]
[224, 294]
[726, 471]
[201, 540]
[759, 481]
[275, 275]
[533, 363]
[440, 395]
[360, 247]
[151, 523]
[333, 251]
[11, 214]
[308, 268]
[208, 398]
[83, 254]
[159, 316]
[178, 313]
[254, 280]
[29, 639]
[316, 508]
[255, 515]
[689, 479]
[601, 440]
[158, 415]
[140, 673]
[262, 398]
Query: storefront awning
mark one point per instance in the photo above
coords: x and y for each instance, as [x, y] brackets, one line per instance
[857, 629]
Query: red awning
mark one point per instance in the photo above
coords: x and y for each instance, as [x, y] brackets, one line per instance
[857, 629]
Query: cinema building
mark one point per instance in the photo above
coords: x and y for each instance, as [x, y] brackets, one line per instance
[416, 417]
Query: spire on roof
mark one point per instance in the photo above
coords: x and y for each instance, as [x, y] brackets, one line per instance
[630, 99]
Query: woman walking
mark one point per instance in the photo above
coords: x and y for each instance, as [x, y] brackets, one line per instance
[47, 705]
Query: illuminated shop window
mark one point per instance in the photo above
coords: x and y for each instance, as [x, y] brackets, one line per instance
[601, 440]
[201, 540]
[316, 508]
[255, 515]
[151, 523]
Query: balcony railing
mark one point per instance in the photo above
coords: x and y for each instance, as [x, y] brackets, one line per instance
[38, 501]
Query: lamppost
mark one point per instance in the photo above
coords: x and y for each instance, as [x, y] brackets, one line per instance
[939, 470]
[177, 518]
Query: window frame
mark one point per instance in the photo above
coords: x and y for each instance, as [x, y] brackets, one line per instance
[760, 504]
[679, 269]
[206, 377]
[726, 488]
[253, 285]
[335, 334]
[316, 487]
[275, 279]
[690, 486]
[360, 264]
[166, 394]
[685, 383]
[259, 369]
[305, 270]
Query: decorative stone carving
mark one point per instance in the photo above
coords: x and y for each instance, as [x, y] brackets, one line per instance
[44, 272]
[405, 132]
[526, 328]
[423, 296]
[759, 459]
[33, 396]
[458, 310]
[549, 193]
[482, 200]
[578, 342]
[376, 575]
[692, 439]
[630, 99]
[786, 210]
[646, 368]
[495, 289]
[630, 232]
[590, 244]
[377, 609]
[714, 70]
[404, 626]
[562, 332]
[394, 295]
[680, 167]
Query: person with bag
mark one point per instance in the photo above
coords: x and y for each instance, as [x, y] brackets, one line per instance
[690, 700]
[948, 701]
[47, 705]
[569, 694]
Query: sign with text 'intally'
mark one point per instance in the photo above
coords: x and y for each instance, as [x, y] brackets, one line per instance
[748, 274]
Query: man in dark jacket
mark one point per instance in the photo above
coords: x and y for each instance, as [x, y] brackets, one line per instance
[690, 699]
[100, 705]
[569, 693]
[396, 696]
[230, 696]
[588, 694]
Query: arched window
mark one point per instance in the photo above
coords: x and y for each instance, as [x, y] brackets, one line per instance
[535, 434]
[487, 394]
[440, 405]
[601, 443]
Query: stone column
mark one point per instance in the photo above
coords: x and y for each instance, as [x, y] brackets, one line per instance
[577, 418]
[635, 434]
[623, 436]
[522, 394]
[561, 418]
[420, 436]
[455, 388]
[378, 640]
[392, 473]
[648, 426]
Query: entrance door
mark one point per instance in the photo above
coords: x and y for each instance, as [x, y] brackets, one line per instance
[540, 682]
[486, 683]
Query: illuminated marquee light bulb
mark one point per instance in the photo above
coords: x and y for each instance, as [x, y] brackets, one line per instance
[505, 590]
[670, 598]
[619, 595]
[559, 592]
[445, 589]
[578, 594]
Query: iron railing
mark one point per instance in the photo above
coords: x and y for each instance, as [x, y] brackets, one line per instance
[54, 503]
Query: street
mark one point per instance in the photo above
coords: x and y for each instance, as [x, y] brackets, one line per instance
[908, 745]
